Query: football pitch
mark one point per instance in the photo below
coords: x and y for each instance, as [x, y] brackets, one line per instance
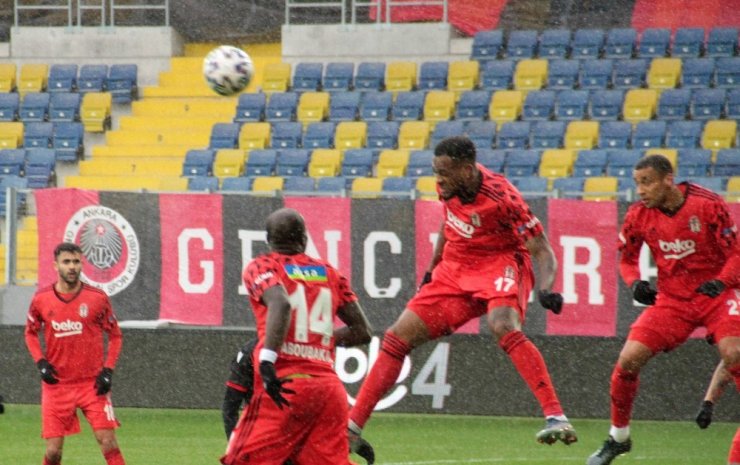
[195, 437]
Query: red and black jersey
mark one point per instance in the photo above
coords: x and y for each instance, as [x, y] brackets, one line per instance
[316, 291]
[73, 326]
[693, 245]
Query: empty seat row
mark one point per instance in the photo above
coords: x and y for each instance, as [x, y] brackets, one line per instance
[66, 138]
[40, 106]
[36, 165]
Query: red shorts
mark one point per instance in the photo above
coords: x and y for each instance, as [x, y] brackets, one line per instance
[59, 404]
[667, 324]
[460, 292]
[311, 431]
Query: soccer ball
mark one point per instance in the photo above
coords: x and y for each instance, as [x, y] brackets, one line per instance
[227, 69]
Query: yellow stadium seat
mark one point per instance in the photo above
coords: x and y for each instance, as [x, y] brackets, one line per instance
[506, 105]
[719, 134]
[33, 78]
[462, 76]
[414, 135]
[324, 162]
[639, 105]
[581, 135]
[254, 136]
[400, 76]
[439, 105]
[350, 135]
[600, 188]
[427, 188]
[7, 77]
[670, 154]
[733, 189]
[664, 73]
[530, 75]
[557, 163]
[367, 188]
[392, 163]
[95, 111]
[313, 106]
[276, 77]
[229, 163]
[11, 135]
[267, 184]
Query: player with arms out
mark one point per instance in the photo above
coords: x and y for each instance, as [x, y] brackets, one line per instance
[299, 407]
[73, 318]
[481, 266]
[693, 240]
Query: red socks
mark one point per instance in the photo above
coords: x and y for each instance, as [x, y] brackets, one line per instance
[734, 456]
[381, 378]
[114, 457]
[623, 391]
[48, 462]
[531, 367]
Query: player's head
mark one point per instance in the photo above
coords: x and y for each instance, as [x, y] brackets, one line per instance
[68, 262]
[653, 177]
[454, 166]
[286, 231]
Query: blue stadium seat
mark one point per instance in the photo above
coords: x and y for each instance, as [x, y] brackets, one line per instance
[444, 129]
[224, 136]
[376, 106]
[494, 160]
[481, 133]
[570, 187]
[587, 43]
[203, 183]
[629, 73]
[673, 104]
[538, 105]
[122, 82]
[17, 183]
[606, 105]
[409, 105]
[92, 78]
[282, 106]
[621, 162]
[531, 185]
[590, 163]
[732, 106]
[513, 135]
[614, 135]
[727, 72]
[562, 74]
[547, 134]
[298, 184]
[261, 162]
[336, 185]
[357, 163]
[398, 186]
[596, 74]
[473, 105]
[433, 75]
[521, 44]
[286, 134]
[292, 162]
[382, 135]
[697, 73]
[521, 163]
[625, 183]
[722, 42]
[62, 78]
[9, 105]
[487, 45]
[319, 135]
[344, 106]
[236, 184]
[727, 163]
[694, 162]
[12, 162]
[420, 163]
[370, 76]
[307, 77]
[707, 104]
[654, 43]
[688, 42]
[64, 106]
[198, 162]
[40, 169]
[649, 134]
[34, 107]
[497, 75]
[571, 105]
[250, 107]
[684, 134]
[554, 43]
[620, 43]
[38, 135]
[68, 141]
[338, 77]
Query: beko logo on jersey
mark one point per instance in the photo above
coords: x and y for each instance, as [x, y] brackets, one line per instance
[465, 229]
[66, 328]
[679, 248]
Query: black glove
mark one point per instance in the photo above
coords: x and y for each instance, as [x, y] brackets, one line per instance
[426, 279]
[2, 407]
[48, 373]
[704, 417]
[643, 292]
[552, 301]
[274, 385]
[711, 288]
[103, 381]
[362, 448]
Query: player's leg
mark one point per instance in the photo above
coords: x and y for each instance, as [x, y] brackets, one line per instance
[53, 454]
[100, 414]
[58, 419]
[109, 446]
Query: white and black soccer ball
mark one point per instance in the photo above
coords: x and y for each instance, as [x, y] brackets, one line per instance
[228, 69]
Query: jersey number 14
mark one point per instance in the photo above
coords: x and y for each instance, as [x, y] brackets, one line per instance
[318, 319]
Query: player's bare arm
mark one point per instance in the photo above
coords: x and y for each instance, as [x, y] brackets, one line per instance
[278, 317]
[540, 249]
[358, 330]
[436, 255]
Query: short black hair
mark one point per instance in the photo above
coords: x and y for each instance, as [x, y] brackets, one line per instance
[66, 247]
[659, 163]
[285, 227]
[459, 148]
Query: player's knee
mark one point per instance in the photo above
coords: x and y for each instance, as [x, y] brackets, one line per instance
[730, 354]
[53, 455]
[501, 323]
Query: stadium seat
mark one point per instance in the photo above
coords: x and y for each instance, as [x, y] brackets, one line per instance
[684, 134]
[557, 163]
[9, 105]
[370, 76]
[395, 187]
[420, 163]
[494, 160]
[433, 75]
[445, 129]
[236, 184]
[344, 106]
[298, 185]
[719, 134]
[707, 104]
[38, 135]
[254, 135]
[481, 133]
[439, 105]
[40, 168]
[568, 187]
[400, 76]
[596, 74]
[224, 136]
[267, 185]
[538, 105]
[654, 43]
[522, 163]
[62, 78]
[547, 134]
[250, 107]
[587, 43]
[122, 82]
[732, 104]
[376, 106]
[571, 105]
[408, 106]
[260, 162]
[620, 43]
[198, 162]
[337, 185]
[319, 135]
[463, 76]
[382, 134]
[473, 105]
[581, 135]
[554, 43]
[722, 42]
[64, 107]
[688, 42]
[629, 73]
[12, 162]
[521, 44]
[34, 107]
[11, 135]
[673, 104]
[487, 45]
[733, 189]
[286, 135]
[282, 106]
[414, 135]
[7, 77]
[639, 105]
[694, 162]
[313, 106]
[531, 186]
[497, 75]
[670, 154]
[649, 134]
[727, 72]
[621, 162]
[350, 135]
[563, 74]
[338, 77]
[530, 75]
[697, 73]
[92, 78]
[229, 163]
[590, 163]
[357, 163]
[276, 77]
[68, 141]
[506, 105]
[32, 78]
[727, 163]
[614, 135]
[513, 135]
[95, 111]
[366, 188]
[392, 163]
[292, 162]
[203, 183]
[324, 162]
[600, 188]
[664, 73]
[307, 77]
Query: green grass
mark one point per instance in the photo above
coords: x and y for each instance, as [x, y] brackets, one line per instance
[195, 437]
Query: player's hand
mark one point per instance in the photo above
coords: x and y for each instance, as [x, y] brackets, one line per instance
[552, 301]
[425, 280]
[274, 385]
[103, 381]
[711, 288]
[47, 371]
[704, 417]
[643, 292]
